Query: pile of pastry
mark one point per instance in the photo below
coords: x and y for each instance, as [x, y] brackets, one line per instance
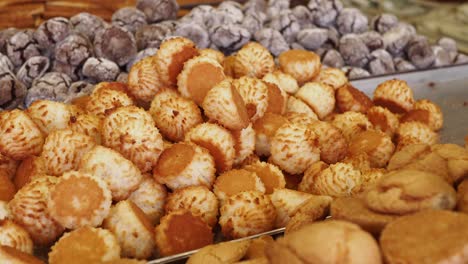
[197, 142]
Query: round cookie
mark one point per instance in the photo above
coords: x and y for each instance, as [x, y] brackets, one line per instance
[100, 70]
[129, 18]
[158, 10]
[22, 46]
[302, 65]
[51, 86]
[12, 255]
[34, 67]
[272, 40]
[87, 24]
[12, 91]
[116, 44]
[51, 32]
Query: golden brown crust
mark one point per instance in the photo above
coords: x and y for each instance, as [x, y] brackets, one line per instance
[315, 208]
[15, 236]
[334, 77]
[384, 120]
[15, 256]
[7, 188]
[349, 98]
[332, 143]
[319, 96]
[144, 80]
[271, 176]
[253, 60]
[107, 97]
[236, 181]
[265, 128]
[395, 95]
[377, 145]
[224, 252]
[302, 65]
[462, 196]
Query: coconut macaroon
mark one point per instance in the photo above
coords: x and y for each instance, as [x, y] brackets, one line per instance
[85, 245]
[370, 177]
[218, 141]
[265, 128]
[228, 65]
[270, 175]
[50, 115]
[29, 209]
[8, 166]
[253, 60]
[171, 56]
[255, 95]
[351, 124]
[132, 132]
[29, 169]
[300, 118]
[89, 125]
[143, 79]
[247, 213]
[120, 174]
[199, 200]
[107, 97]
[132, 228]
[212, 54]
[315, 208]
[185, 164]
[409, 191]
[283, 80]
[15, 236]
[277, 99]
[174, 115]
[20, 137]
[320, 97]
[235, 181]
[224, 104]
[376, 144]
[395, 95]
[13, 255]
[286, 202]
[63, 150]
[301, 64]
[334, 77]
[150, 197]
[384, 120]
[415, 133]
[198, 76]
[79, 199]
[294, 147]
[7, 188]
[4, 211]
[426, 112]
[245, 143]
[296, 105]
[349, 98]
[337, 180]
[181, 231]
[307, 181]
[332, 143]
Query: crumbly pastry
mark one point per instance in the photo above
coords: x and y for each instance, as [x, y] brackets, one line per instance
[19, 135]
[213, 54]
[245, 143]
[174, 115]
[325, 242]
[294, 147]
[63, 150]
[185, 164]
[7, 188]
[181, 231]
[255, 95]
[284, 81]
[8, 166]
[349, 98]
[320, 97]
[426, 112]
[296, 105]
[408, 191]
[337, 180]
[144, 80]
[247, 213]
[86, 124]
[218, 141]
[351, 124]
[85, 245]
[301, 64]
[199, 200]
[377, 145]
[107, 97]
[271, 176]
[150, 197]
[265, 128]
[253, 60]
[236, 181]
[286, 203]
[354, 210]
[415, 133]
[15, 236]
[29, 169]
[171, 56]
[120, 174]
[15, 256]
[224, 252]
[224, 104]
[198, 76]
[334, 77]
[446, 231]
[132, 132]
[50, 115]
[132, 228]
[29, 209]
[315, 208]
[332, 143]
[395, 95]
[383, 119]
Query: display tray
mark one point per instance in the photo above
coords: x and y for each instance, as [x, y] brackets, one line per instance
[447, 87]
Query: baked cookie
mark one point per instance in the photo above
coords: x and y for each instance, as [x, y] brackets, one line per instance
[150, 197]
[395, 95]
[12, 255]
[253, 60]
[236, 181]
[319, 96]
[315, 208]
[15, 236]
[265, 128]
[462, 197]
[50, 115]
[349, 98]
[271, 176]
[225, 252]
[245, 144]
[301, 64]
[377, 145]
[383, 119]
[144, 80]
[286, 203]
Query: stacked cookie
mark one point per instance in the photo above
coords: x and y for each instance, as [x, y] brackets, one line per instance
[197, 140]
